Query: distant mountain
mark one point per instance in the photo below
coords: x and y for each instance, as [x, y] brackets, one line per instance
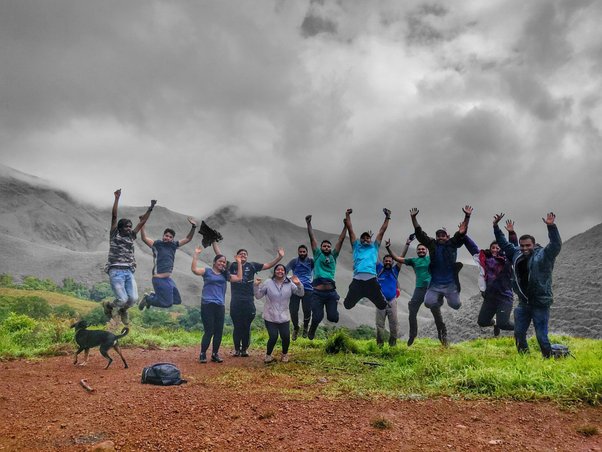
[46, 233]
[577, 281]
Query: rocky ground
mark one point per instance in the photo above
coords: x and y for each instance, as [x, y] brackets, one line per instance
[243, 405]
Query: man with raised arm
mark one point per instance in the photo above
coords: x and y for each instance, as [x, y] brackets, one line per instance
[443, 251]
[387, 274]
[302, 267]
[121, 263]
[532, 267]
[242, 299]
[166, 293]
[421, 265]
[365, 255]
[325, 296]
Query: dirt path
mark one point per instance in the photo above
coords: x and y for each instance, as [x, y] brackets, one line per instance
[242, 405]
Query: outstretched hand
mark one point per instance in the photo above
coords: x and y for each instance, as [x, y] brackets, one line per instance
[153, 202]
[467, 210]
[348, 212]
[295, 280]
[198, 250]
[387, 213]
[257, 281]
[281, 252]
[117, 193]
[497, 217]
[191, 221]
[549, 219]
[308, 219]
[387, 243]
[414, 211]
[509, 226]
[411, 237]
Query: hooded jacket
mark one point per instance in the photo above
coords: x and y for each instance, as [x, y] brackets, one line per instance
[540, 266]
[445, 260]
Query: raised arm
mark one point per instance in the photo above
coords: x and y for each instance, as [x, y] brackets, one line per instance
[341, 239]
[310, 231]
[145, 238]
[188, 238]
[467, 213]
[396, 258]
[238, 276]
[144, 217]
[259, 289]
[117, 194]
[504, 244]
[422, 237]
[195, 258]
[274, 261]
[471, 246]
[512, 237]
[552, 249]
[216, 248]
[383, 228]
[349, 226]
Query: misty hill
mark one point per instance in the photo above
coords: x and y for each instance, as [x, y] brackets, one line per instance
[576, 286]
[46, 233]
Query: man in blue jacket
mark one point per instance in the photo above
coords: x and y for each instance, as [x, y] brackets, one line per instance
[532, 267]
[302, 267]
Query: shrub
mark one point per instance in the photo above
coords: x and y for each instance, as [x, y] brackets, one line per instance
[157, 318]
[191, 320]
[33, 283]
[96, 316]
[340, 342]
[65, 311]
[6, 280]
[34, 307]
[18, 322]
[100, 291]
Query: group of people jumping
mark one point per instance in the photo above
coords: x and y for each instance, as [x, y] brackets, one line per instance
[508, 265]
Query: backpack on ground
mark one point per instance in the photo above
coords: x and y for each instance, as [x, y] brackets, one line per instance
[561, 351]
[162, 374]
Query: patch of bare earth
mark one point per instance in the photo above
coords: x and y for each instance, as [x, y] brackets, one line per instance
[242, 405]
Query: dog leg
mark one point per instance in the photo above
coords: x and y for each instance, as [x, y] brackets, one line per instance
[77, 353]
[103, 352]
[118, 350]
[85, 361]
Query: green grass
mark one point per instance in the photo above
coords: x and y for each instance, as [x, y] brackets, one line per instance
[478, 369]
[53, 298]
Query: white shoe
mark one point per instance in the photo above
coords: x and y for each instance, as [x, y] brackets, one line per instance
[268, 359]
[284, 358]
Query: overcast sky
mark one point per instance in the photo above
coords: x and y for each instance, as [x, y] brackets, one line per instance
[288, 107]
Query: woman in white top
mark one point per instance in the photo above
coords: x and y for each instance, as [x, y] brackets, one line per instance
[277, 292]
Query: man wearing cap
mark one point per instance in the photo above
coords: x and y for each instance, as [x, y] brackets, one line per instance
[365, 255]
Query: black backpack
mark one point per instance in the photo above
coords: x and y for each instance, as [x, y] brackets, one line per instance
[162, 374]
[561, 351]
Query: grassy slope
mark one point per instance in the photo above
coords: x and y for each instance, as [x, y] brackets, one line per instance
[53, 298]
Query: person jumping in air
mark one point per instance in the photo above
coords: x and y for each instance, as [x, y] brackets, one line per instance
[421, 266]
[443, 252]
[365, 255]
[166, 293]
[121, 263]
[302, 267]
[325, 296]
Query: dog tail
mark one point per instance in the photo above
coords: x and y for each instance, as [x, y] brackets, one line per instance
[124, 332]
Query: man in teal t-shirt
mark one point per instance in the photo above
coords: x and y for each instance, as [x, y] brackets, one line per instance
[325, 296]
[365, 256]
[421, 266]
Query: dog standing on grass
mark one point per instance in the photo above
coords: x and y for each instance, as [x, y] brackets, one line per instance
[87, 339]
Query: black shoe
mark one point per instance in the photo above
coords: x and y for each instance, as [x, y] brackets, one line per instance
[107, 308]
[379, 344]
[304, 332]
[496, 330]
[244, 354]
[442, 333]
[236, 353]
[216, 358]
[392, 342]
[143, 303]
[295, 334]
[411, 340]
[203, 358]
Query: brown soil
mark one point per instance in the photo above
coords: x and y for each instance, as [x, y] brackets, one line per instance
[242, 405]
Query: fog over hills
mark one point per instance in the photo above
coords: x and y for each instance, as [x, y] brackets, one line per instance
[47, 233]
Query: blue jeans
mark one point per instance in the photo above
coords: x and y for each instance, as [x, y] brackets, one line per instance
[166, 293]
[124, 287]
[523, 314]
[435, 293]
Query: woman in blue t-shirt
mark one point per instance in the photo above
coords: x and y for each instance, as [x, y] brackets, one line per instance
[213, 301]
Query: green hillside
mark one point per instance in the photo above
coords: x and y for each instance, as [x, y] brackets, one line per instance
[53, 298]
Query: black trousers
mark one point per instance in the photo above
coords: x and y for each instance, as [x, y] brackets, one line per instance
[212, 315]
[413, 308]
[498, 306]
[242, 315]
[275, 329]
[293, 307]
[369, 289]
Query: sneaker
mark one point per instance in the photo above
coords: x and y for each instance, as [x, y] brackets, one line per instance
[268, 359]
[216, 358]
[311, 334]
[244, 354]
[411, 340]
[107, 308]
[284, 358]
[143, 303]
[203, 358]
[304, 332]
[236, 353]
[392, 342]
[125, 318]
[295, 334]
[496, 330]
